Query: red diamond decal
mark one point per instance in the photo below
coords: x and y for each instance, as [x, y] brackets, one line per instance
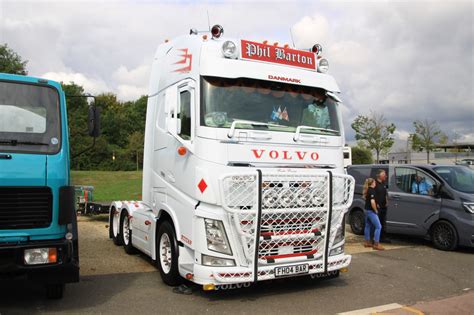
[202, 185]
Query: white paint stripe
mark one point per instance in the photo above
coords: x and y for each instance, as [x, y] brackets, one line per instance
[372, 310]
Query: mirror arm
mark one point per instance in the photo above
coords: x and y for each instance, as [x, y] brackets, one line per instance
[85, 150]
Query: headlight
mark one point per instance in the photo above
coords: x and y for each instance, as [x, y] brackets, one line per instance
[38, 256]
[339, 235]
[217, 261]
[216, 238]
[323, 65]
[229, 49]
[469, 206]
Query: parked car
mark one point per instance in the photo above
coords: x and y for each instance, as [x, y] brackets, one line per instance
[442, 212]
[466, 162]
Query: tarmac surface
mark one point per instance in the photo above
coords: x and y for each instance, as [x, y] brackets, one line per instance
[410, 277]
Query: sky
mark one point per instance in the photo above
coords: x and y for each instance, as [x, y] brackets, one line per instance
[408, 60]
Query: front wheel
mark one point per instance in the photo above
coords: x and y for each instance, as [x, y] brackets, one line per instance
[167, 254]
[444, 236]
[357, 222]
[55, 291]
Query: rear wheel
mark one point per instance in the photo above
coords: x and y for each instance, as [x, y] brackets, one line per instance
[115, 228]
[357, 222]
[126, 233]
[167, 254]
[444, 236]
[55, 291]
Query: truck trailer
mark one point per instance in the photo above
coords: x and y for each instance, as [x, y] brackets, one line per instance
[243, 176]
[38, 225]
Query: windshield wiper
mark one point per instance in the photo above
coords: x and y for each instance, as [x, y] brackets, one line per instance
[14, 142]
[298, 131]
[250, 122]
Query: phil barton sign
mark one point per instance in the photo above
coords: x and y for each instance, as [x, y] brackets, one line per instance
[274, 54]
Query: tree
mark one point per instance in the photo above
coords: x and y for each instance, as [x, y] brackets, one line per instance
[361, 155]
[11, 62]
[427, 133]
[374, 132]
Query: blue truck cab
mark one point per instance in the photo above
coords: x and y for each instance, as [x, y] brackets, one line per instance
[38, 225]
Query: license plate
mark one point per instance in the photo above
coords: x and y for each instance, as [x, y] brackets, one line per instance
[291, 270]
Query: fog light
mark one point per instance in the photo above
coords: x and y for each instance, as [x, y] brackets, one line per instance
[270, 199]
[208, 287]
[38, 256]
[217, 261]
[69, 236]
[229, 49]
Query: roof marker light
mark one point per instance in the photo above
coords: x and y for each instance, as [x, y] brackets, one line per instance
[317, 49]
[265, 42]
[275, 44]
[217, 31]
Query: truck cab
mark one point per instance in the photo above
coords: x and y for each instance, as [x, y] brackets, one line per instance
[243, 175]
[38, 227]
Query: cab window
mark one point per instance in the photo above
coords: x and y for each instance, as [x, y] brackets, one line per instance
[185, 115]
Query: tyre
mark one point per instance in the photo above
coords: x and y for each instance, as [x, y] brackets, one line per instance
[114, 227]
[357, 222]
[444, 236]
[167, 254]
[126, 233]
[55, 291]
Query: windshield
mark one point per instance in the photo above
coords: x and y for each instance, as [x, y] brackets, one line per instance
[459, 178]
[29, 118]
[279, 106]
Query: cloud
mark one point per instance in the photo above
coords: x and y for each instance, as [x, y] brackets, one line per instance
[408, 60]
[90, 85]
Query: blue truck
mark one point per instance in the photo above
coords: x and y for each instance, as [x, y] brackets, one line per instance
[38, 225]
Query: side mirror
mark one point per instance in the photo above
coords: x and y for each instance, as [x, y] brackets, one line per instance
[435, 189]
[93, 121]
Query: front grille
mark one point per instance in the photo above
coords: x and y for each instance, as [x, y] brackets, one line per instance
[294, 216]
[25, 207]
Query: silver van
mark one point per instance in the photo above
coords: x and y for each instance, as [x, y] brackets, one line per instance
[431, 201]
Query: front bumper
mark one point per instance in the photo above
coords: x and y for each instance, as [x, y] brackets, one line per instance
[66, 269]
[230, 275]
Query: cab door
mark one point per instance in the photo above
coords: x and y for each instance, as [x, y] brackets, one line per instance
[411, 213]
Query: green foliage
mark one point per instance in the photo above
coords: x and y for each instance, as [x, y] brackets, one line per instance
[361, 155]
[374, 132]
[110, 185]
[11, 62]
[122, 132]
[427, 134]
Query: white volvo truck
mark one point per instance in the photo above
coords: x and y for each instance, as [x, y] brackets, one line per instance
[243, 176]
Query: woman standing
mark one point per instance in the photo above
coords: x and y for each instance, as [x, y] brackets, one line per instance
[371, 217]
